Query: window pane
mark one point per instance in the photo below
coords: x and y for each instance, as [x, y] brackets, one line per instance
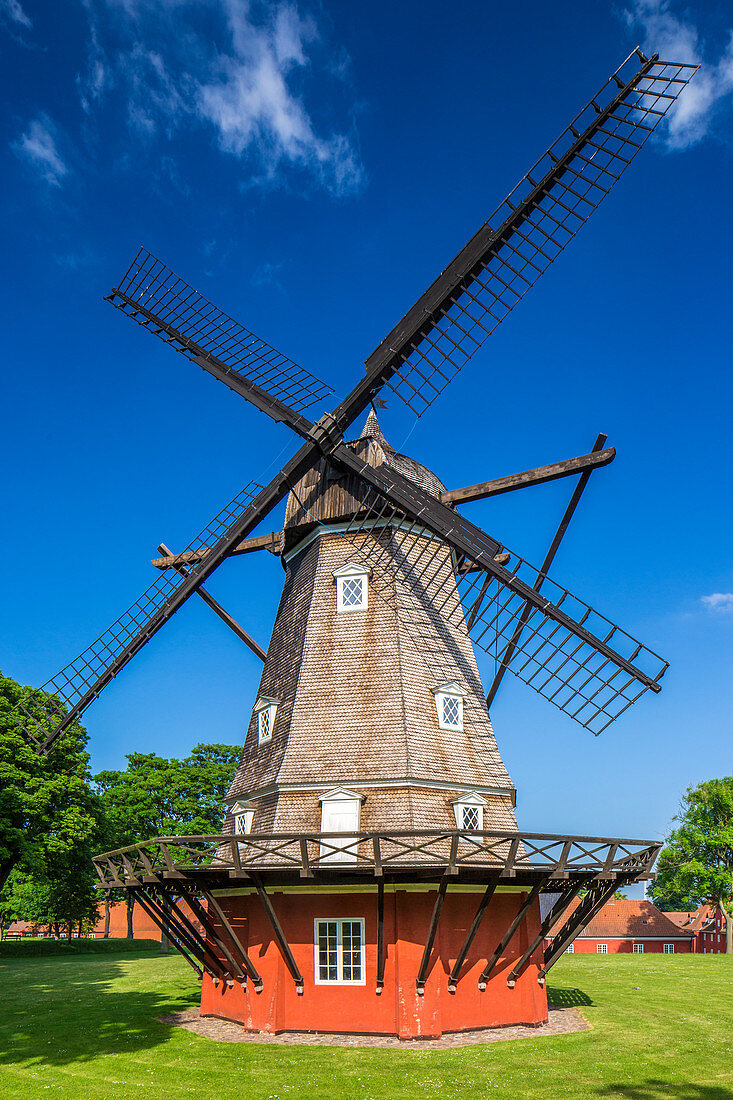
[451, 710]
[352, 592]
[327, 951]
[471, 817]
[351, 947]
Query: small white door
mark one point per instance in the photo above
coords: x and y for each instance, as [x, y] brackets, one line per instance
[339, 816]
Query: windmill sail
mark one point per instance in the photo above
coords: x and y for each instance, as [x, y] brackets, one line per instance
[507, 255]
[575, 657]
[159, 300]
[79, 682]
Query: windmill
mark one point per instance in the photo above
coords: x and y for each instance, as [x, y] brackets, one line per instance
[398, 546]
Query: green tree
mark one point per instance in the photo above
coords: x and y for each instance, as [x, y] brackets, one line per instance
[696, 863]
[155, 796]
[49, 815]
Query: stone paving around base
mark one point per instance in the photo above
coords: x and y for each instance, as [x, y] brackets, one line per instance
[562, 1021]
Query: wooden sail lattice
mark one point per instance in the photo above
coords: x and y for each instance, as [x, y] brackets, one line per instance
[74, 681]
[160, 301]
[591, 686]
[531, 227]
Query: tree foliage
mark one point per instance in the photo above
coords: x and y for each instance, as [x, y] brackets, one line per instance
[49, 814]
[155, 796]
[696, 863]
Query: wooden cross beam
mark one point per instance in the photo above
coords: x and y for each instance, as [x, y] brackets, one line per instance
[165, 925]
[508, 652]
[591, 904]
[380, 936]
[271, 542]
[537, 476]
[217, 608]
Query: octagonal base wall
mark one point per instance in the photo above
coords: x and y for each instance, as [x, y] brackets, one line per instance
[399, 1010]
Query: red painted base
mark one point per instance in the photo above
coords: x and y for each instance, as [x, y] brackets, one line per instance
[399, 1009]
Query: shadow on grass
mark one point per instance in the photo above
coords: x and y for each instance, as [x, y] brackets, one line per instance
[60, 1011]
[663, 1090]
[566, 998]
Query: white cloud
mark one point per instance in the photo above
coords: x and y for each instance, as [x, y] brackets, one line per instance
[13, 10]
[243, 79]
[719, 601]
[690, 118]
[38, 148]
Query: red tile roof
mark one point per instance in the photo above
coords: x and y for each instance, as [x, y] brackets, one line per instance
[635, 919]
[694, 920]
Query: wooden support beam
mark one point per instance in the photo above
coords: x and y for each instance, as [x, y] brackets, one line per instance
[510, 648]
[380, 936]
[283, 944]
[510, 933]
[566, 897]
[432, 930]
[470, 936]
[538, 476]
[271, 542]
[166, 929]
[176, 932]
[236, 942]
[592, 903]
[219, 610]
[187, 928]
[236, 970]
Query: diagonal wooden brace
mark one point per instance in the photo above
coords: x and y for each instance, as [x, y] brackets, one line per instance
[432, 930]
[218, 609]
[282, 943]
[510, 933]
[470, 936]
[559, 907]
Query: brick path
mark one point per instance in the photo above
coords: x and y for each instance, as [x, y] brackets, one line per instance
[562, 1021]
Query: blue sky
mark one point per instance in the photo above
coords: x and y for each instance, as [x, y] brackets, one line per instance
[311, 167]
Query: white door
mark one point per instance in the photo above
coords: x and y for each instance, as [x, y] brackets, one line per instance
[339, 816]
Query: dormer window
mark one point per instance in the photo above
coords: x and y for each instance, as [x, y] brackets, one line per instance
[340, 813]
[352, 585]
[449, 705]
[469, 811]
[265, 709]
[243, 814]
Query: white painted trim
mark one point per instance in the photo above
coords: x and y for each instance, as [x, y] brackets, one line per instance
[632, 939]
[381, 784]
[338, 921]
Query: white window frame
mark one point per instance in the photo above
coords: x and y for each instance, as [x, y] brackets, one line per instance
[637, 949]
[469, 801]
[352, 571]
[330, 851]
[601, 949]
[242, 814]
[340, 980]
[570, 949]
[453, 691]
[668, 949]
[266, 710]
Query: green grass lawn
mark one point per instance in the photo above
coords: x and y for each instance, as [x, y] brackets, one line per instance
[662, 1026]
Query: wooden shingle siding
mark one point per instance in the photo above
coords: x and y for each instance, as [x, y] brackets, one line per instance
[355, 690]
